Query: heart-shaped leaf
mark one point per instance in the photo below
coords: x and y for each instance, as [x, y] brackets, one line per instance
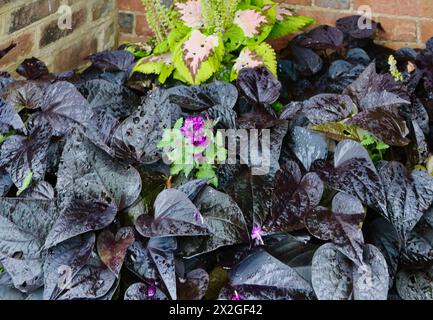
[89, 173]
[112, 248]
[80, 217]
[342, 225]
[408, 194]
[64, 261]
[62, 107]
[175, 215]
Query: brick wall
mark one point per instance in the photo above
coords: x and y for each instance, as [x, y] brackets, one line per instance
[406, 22]
[33, 25]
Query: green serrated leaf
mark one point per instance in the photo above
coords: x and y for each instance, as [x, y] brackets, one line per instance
[290, 25]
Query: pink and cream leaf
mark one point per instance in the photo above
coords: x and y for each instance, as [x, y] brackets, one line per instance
[190, 13]
[249, 21]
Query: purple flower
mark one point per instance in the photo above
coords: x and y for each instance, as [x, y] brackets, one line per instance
[151, 291]
[256, 234]
[198, 217]
[193, 130]
[236, 296]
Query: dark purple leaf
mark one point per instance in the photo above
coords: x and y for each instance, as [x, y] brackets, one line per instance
[415, 284]
[175, 215]
[261, 276]
[112, 248]
[372, 90]
[307, 62]
[5, 182]
[335, 277]
[93, 281]
[292, 199]
[252, 193]
[341, 225]
[354, 173]
[32, 69]
[258, 85]
[80, 217]
[195, 285]
[193, 187]
[112, 61]
[26, 274]
[40, 191]
[308, 146]
[350, 26]
[321, 38]
[24, 226]
[63, 107]
[87, 172]
[383, 235]
[153, 261]
[64, 261]
[24, 94]
[408, 194]
[138, 136]
[21, 156]
[9, 118]
[322, 108]
[111, 98]
[223, 218]
[384, 123]
[203, 97]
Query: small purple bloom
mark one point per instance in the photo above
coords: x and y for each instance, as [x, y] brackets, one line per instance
[236, 296]
[151, 291]
[198, 217]
[193, 130]
[256, 234]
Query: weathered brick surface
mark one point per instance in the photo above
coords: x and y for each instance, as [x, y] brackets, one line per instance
[32, 12]
[334, 4]
[33, 25]
[25, 43]
[52, 33]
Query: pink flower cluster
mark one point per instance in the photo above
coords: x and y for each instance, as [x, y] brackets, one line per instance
[193, 130]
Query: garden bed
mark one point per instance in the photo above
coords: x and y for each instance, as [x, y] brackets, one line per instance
[336, 204]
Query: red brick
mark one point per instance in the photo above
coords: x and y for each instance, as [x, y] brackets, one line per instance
[22, 50]
[131, 5]
[300, 2]
[141, 26]
[32, 12]
[414, 8]
[398, 29]
[322, 17]
[397, 45]
[75, 55]
[426, 28]
[334, 4]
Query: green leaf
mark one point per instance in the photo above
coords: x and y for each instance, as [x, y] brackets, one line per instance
[26, 183]
[254, 56]
[156, 64]
[338, 131]
[289, 25]
[233, 38]
[206, 171]
[198, 57]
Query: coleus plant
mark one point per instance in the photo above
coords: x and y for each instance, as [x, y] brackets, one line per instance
[205, 38]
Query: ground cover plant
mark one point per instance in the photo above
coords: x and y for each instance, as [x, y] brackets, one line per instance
[89, 209]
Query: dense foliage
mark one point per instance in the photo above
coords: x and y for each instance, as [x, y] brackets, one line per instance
[88, 209]
[197, 39]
